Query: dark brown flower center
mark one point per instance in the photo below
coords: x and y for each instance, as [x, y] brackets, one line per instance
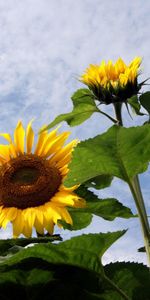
[28, 181]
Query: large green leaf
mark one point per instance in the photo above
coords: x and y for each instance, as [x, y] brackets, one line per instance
[83, 107]
[132, 278]
[121, 152]
[51, 281]
[145, 101]
[54, 281]
[43, 282]
[82, 251]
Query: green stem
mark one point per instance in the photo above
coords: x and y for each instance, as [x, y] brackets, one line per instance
[115, 287]
[137, 195]
[118, 107]
[137, 187]
[143, 220]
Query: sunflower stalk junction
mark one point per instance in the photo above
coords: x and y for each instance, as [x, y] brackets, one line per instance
[135, 189]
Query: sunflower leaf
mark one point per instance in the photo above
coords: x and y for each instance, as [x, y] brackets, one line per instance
[80, 219]
[83, 251]
[145, 101]
[108, 209]
[14, 245]
[132, 278]
[84, 107]
[43, 279]
[120, 152]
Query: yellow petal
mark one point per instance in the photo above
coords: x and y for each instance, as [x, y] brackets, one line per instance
[29, 216]
[4, 223]
[63, 188]
[19, 135]
[41, 139]
[29, 137]
[63, 152]
[6, 136]
[56, 145]
[13, 150]
[49, 140]
[11, 213]
[62, 198]
[64, 171]
[18, 224]
[5, 152]
[38, 224]
[27, 230]
[64, 161]
[65, 215]
[2, 216]
[50, 227]
[51, 213]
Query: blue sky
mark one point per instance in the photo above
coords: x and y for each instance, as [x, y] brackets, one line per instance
[44, 46]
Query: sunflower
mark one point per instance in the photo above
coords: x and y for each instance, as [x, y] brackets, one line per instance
[32, 193]
[113, 82]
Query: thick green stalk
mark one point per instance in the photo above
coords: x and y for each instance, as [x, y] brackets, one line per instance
[137, 195]
[144, 225]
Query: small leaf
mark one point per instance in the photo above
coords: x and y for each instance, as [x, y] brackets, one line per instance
[84, 107]
[80, 220]
[145, 101]
[135, 105]
[108, 209]
[121, 152]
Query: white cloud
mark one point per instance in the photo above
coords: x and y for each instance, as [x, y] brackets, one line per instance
[46, 44]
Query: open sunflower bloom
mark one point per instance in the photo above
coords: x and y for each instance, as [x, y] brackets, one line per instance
[32, 193]
[113, 82]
